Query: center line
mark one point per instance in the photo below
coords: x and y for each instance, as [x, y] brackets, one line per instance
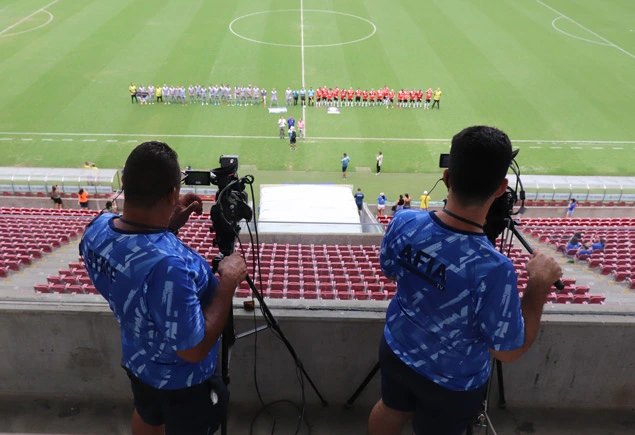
[306, 99]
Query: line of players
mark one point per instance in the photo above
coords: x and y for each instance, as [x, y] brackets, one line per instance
[239, 96]
[383, 97]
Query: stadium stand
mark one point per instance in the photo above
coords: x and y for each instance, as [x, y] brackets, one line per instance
[616, 257]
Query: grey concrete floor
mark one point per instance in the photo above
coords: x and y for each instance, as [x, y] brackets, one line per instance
[56, 416]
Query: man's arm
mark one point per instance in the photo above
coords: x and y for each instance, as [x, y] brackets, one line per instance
[543, 272]
[232, 271]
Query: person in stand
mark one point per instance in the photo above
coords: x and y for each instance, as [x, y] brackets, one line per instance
[171, 307]
[57, 199]
[398, 205]
[425, 200]
[572, 205]
[111, 207]
[406, 201]
[597, 245]
[574, 243]
[449, 316]
[380, 159]
[345, 161]
[82, 198]
[381, 204]
[359, 200]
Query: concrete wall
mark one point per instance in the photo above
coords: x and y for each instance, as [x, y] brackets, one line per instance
[582, 360]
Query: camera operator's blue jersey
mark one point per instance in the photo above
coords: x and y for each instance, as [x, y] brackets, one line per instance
[456, 297]
[157, 287]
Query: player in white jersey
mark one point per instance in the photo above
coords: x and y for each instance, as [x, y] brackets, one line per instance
[151, 94]
[170, 94]
[250, 94]
[256, 96]
[274, 97]
[203, 95]
[263, 95]
[143, 94]
[166, 96]
[288, 94]
[190, 92]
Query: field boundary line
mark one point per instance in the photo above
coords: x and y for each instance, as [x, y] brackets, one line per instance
[27, 17]
[370, 139]
[586, 28]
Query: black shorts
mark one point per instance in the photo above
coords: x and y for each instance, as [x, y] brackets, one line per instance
[57, 200]
[344, 168]
[437, 410]
[357, 99]
[83, 204]
[186, 411]
[427, 100]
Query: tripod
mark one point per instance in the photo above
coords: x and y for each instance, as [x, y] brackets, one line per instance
[230, 337]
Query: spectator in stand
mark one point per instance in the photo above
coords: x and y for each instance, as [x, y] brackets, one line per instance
[406, 201]
[381, 204]
[425, 200]
[399, 205]
[574, 243]
[572, 205]
[111, 207]
[82, 198]
[359, 200]
[596, 245]
[57, 199]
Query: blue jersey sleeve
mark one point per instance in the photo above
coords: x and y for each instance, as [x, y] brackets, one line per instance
[498, 310]
[174, 304]
[387, 257]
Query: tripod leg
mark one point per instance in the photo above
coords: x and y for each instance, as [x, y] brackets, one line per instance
[227, 342]
[363, 385]
[501, 386]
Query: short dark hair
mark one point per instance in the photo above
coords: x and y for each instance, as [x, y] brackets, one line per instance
[152, 171]
[479, 159]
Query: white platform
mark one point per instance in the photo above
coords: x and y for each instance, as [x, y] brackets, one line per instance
[308, 208]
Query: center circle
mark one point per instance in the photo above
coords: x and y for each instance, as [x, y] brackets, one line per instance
[256, 15]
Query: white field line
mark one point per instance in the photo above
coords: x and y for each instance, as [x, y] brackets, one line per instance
[302, 52]
[553, 24]
[27, 17]
[51, 17]
[587, 29]
[370, 139]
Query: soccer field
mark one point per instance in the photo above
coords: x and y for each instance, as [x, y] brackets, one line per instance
[557, 76]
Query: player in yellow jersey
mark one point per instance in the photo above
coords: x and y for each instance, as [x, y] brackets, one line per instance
[133, 93]
[437, 99]
[158, 93]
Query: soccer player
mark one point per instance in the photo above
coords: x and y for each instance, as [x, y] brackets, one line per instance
[311, 94]
[413, 97]
[437, 99]
[143, 95]
[203, 95]
[288, 94]
[256, 96]
[428, 98]
[349, 96]
[358, 97]
[274, 97]
[296, 94]
[170, 94]
[391, 98]
[336, 96]
[166, 96]
[133, 93]
[263, 96]
[372, 96]
[151, 93]
[419, 98]
[190, 92]
[365, 98]
[210, 94]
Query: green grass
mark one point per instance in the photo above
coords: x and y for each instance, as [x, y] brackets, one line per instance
[498, 62]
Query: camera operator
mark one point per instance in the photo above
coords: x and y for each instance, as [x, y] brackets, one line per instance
[168, 302]
[457, 302]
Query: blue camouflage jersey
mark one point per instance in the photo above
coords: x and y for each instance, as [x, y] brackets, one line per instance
[456, 297]
[157, 287]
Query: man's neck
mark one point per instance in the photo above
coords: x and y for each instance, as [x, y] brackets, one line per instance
[143, 217]
[475, 214]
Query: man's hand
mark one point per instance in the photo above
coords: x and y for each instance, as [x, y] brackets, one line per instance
[232, 270]
[543, 271]
[188, 204]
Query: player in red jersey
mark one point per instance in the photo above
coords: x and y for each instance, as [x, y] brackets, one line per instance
[391, 97]
[358, 97]
[329, 96]
[413, 98]
[400, 98]
[350, 94]
[365, 98]
[428, 98]
[318, 96]
[336, 95]
[372, 96]
[380, 96]
[342, 97]
[419, 98]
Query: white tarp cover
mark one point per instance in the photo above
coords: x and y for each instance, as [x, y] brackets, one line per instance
[308, 208]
